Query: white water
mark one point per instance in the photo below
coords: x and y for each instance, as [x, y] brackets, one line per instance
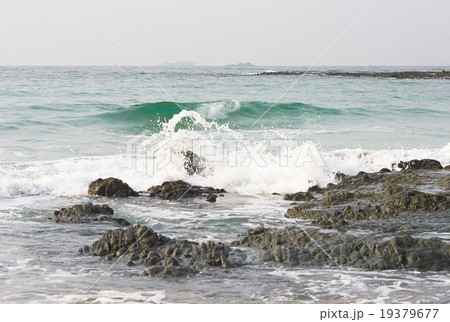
[244, 162]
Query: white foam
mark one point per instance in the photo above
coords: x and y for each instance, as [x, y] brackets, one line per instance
[237, 171]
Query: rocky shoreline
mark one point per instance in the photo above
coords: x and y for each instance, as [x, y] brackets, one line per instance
[370, 221]
[394, 75]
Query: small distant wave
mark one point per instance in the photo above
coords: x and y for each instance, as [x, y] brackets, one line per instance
[215, 110]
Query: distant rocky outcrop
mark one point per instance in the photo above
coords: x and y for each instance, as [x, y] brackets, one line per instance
[87, 213]
[111, 188]
[395, 75]
[163, 256]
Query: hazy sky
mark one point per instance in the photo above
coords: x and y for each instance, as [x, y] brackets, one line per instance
[212, 32]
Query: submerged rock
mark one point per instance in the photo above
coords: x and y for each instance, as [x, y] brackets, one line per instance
[174, 190]
[162, 255]
[112, 188]
[87, 213]
[294, 246]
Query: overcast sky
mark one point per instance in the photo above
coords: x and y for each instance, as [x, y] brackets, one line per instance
[212, 32]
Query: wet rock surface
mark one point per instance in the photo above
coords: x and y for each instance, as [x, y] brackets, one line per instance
[111, 188]
[174, 190]
[378, 196]
[87, 213]
[163, 256]
[370, 220]
[295, 246]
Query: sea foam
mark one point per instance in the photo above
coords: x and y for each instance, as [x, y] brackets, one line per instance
[236, 161]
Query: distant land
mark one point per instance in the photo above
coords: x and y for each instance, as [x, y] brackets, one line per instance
[241, 65]
[179, 63]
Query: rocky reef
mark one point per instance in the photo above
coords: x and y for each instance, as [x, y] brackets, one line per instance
[87, 213]
[295, 246]
[162, 255]
[395, 75]
[376, 196]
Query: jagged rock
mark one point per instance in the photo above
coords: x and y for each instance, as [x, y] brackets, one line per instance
[112, 188]
[316, 189]
[427, 164]
[162, 255]
[87, 213]
[299, 196]
[294, 246]
[174, 190]
[339, 176]
[193, 164]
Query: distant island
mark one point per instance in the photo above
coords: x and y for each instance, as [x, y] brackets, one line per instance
[179, 64]
[241, 65]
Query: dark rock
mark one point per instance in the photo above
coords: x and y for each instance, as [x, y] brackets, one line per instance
[299, 196]
[316, 189]
[427, 164]
[87, 213]
[447, 167]
[193, 164]
[111, 188]
[339, 176]
[211, 198]
[164, 256]
[385, 170]
[174, 190]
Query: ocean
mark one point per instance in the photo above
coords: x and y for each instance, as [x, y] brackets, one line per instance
[63, 127]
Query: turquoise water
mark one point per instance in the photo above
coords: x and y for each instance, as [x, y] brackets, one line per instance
[63, 127]
[54, 112]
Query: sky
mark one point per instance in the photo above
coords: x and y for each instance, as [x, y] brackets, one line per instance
[213, 32]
